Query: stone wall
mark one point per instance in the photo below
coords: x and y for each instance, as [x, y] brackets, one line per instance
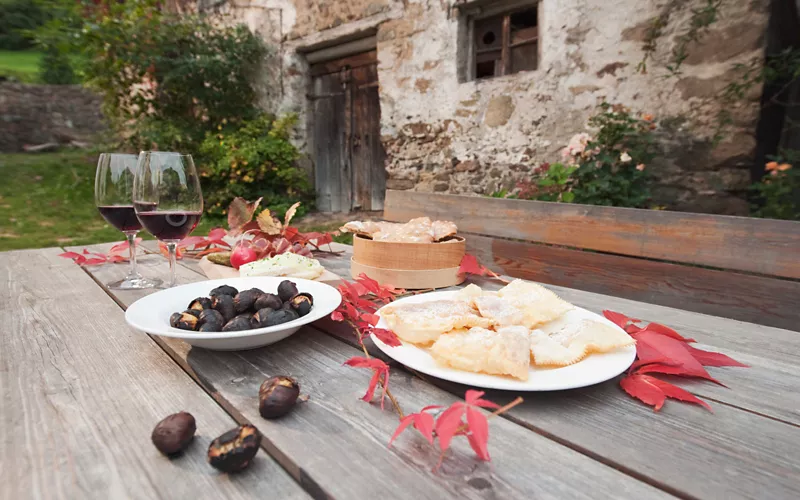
[37, 114]
[477, 137]
[445, 135]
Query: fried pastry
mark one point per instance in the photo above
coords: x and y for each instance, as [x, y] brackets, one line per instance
[504, 352]
[536, 303]
[561, 344]
[419, 230]
[423, 323]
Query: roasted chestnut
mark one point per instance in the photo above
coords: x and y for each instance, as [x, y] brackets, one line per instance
[224, 304]
[213, 318]
[184, 321]
[286, 290]
[258, 290]
[268, 300]
[173, 434]
[193, 312]
[277, 396]
[233, 450]
[210, 328]
[238, 324]
[278, 317]
[302, 303]
[244, 300]
[200, 303]
[223, 290]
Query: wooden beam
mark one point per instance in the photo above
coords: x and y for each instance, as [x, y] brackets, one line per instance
[763, 246]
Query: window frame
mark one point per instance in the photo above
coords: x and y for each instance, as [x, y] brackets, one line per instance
[479, 10]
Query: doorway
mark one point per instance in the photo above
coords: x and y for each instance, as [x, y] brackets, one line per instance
[350, 173]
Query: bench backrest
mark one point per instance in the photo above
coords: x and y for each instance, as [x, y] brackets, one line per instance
[735, 267]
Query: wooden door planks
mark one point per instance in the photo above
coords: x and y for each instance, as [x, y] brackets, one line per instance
[763, 246]
[335, 444]
[757, 299]
[82, 391]
[332, 171]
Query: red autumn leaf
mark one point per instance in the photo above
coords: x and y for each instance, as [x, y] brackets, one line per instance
[669, 332]
[675, 392]
[122, 246]
[708, 358]
[388, 337]
[478, 436]
[379, 369]
[448, 424]
[619, 319]
[216, 235]
[94, 261]
[292, 234]
[640, 388]
[676, 351]
[422, 421]
[631, 329]
[325, 239]
[337, 316]
[372, 319]
[470, 265]
[71, 255]
[404, 422]
[240, 212]
[473, 397]
[654, 392]
[674, 370]
[641, 362]
[424, 424]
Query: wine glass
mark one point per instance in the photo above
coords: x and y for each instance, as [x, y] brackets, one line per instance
[167, 198]
[113, 196]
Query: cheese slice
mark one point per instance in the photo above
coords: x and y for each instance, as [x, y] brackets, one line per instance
[290, 265]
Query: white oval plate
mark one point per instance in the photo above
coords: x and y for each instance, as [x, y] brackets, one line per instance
[151, 314]
[592, 370]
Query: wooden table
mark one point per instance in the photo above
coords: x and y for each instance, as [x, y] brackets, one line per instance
[81, 392]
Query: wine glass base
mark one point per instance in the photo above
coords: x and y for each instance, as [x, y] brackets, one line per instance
[137, 283]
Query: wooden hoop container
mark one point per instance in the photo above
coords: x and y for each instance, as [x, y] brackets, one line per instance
[409, 265]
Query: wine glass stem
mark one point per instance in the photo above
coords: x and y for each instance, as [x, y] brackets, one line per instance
[132, 272]
[172, 247]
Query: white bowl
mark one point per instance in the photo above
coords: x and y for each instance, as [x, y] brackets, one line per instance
[151, 314]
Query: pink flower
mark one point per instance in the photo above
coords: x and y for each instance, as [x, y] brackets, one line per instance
[640, 167]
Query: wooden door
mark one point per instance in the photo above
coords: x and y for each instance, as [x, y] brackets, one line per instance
[350, 173]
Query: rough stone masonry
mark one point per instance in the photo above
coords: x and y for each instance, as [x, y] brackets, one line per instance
[444, 134]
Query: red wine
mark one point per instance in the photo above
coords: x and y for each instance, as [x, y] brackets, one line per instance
[121, 217]
[169, 225]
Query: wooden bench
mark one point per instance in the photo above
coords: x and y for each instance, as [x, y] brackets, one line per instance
[735, 267]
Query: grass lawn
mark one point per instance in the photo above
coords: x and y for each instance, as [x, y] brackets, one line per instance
[23, 64]
[47, 200]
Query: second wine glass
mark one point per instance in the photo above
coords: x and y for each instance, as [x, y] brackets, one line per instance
[167, 199]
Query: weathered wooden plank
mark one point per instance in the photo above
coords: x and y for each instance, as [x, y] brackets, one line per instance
[746, 297]
[367, 151]
[81, 393]
[335, 444]
[763, 246]
[330, 144]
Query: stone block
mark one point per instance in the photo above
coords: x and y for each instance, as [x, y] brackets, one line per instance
[498, 111]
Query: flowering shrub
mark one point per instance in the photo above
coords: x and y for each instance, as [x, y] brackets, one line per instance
[608, 167]
[611, 165]
[778, 192]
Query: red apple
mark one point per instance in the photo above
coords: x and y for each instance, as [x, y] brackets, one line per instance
[242, 255]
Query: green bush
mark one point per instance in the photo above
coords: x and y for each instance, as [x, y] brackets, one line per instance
[17, 19]
[55, 67]
[251, 159]
[165, 79]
